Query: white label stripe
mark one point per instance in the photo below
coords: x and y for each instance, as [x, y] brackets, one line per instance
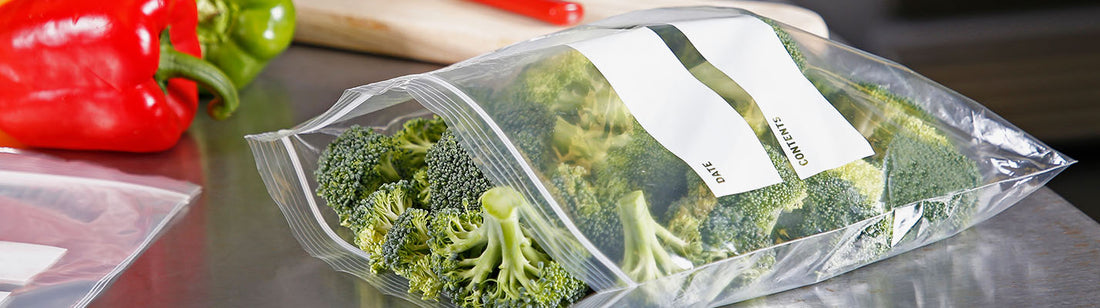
[680, 112]
[20, 262]
[814, 135]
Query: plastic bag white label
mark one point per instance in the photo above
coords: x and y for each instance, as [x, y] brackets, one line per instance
[813, 134]
[904, 219]
[680, 112]
[19, 262]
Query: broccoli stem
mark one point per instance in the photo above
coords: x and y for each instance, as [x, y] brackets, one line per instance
[645, 258]
[503, 227]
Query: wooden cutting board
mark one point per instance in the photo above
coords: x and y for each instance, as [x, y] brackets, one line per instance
[447, 31]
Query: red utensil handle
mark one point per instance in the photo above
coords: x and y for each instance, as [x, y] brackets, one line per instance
[556, 12]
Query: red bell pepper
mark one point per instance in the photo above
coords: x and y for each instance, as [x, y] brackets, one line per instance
[103, 75]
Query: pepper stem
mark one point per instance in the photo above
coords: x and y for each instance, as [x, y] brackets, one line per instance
[177, 64]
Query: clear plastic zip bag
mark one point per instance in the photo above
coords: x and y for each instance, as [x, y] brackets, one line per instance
[669, 157]
[70, 228]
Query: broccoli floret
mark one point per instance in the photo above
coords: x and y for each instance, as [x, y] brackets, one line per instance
[836, 198]
[919, 160]
[919, 168]
[406, 252]
[744, 222]
[421, 187]
[484, 258]
[416, 137]
[831, 203]
[571, 87]
[583, 146]
[839, 198]
[687, 214]
[375, 215]
[588, 118]
[647, 243]
[597, 219]
[353, 166]
[530, 125]
[453, 179]
[645, 164]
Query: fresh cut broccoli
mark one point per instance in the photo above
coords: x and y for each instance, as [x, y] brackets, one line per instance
[647, 243]
[744, 222]
[405, 251]
[376, 215]
[530, 126]
[597, 218]
[644, 164]
[416, 137]
[566, 98]
[355, 165]
[484, 258]
[453, 179]
[836, 198]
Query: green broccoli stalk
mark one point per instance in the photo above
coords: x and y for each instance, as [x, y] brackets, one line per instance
[484, 258]
[355, 165]
[453, 179]
[405, 251]
[647, 243]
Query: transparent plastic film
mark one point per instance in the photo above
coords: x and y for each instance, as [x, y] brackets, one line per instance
[587, 167]
[68, 229]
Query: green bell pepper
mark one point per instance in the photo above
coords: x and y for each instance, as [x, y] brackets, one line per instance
[241, 36]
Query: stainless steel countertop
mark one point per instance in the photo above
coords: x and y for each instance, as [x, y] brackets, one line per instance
[233, 248]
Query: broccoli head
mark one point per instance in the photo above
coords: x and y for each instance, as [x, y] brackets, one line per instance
[645, 164]
[530, 126]
[571, 87]
[687, 214]
[416, 137]
[597, 219]
[566, 98]
[919, 160]
[484, 257]
[353, 166]
[375, 215]
[744, 222]
[831, 203]
[405, 251]
[919, 168]
[453, 179]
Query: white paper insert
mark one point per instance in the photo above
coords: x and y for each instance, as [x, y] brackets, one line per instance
[680, 112]
[19, 262]
[813, 134]
[904, 219]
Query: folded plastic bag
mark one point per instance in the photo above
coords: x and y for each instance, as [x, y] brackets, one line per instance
[70, 228]
[669, 157]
